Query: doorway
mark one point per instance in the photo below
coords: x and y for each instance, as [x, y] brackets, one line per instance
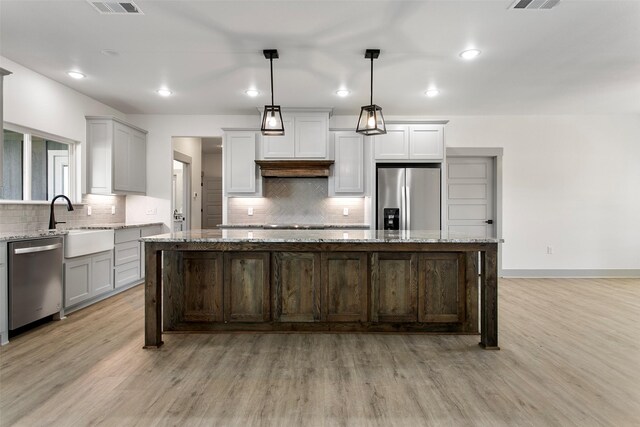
[211, 182]
[473, 197]
[180, 191]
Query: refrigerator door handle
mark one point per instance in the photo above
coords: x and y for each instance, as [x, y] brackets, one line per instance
[403, 209]
[408, 227]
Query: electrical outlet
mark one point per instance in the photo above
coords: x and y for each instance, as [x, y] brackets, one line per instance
[113, 210]
[250, 211]
[88, 210]
[345, 211]
[549, 250]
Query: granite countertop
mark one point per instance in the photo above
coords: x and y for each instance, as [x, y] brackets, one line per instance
[316, 236]
[20, 235]
[119, 225]
[295, 226]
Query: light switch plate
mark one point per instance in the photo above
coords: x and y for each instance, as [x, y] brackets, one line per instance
[250, 211]
[113, 210]
[88, 210]
[345, 211]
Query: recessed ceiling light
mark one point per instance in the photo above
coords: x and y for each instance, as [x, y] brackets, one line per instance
[343, 92]
[252, 92]
[164, 92]
[76, 74]
[431, 93]
[469, 54]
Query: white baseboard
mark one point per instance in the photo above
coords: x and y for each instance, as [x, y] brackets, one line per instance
[602, 273]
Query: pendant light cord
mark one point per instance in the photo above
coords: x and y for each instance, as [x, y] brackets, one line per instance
[271, 61]
[371, 80]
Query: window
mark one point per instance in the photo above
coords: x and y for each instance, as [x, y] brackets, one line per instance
[36, 166]
[12, 166]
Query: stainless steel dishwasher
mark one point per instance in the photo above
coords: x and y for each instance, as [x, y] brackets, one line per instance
[35, 280]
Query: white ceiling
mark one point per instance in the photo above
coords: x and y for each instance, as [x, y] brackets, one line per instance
[580, 57]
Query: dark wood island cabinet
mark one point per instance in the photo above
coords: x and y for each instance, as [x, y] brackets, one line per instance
[320, 281]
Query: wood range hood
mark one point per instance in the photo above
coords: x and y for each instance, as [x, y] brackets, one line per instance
[294, 168]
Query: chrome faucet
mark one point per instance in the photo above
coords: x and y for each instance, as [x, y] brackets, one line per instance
[52, 217]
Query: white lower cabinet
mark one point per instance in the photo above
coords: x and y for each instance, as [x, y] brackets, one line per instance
[127, 257]
[87, 276]
[127, 251]
[127, 273]
[90, 276]
[101, 277]
[129, 254]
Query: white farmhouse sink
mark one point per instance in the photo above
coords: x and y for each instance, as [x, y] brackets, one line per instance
[84, 242]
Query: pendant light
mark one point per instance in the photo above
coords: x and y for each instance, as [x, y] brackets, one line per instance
[272, 117]
[371, 121]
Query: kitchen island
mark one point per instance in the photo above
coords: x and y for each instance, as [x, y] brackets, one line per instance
[320, 281]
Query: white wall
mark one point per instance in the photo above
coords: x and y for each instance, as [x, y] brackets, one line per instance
[162, 128]
[569, 182]
[37, 102]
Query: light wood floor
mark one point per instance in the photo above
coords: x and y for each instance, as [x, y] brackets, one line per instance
[570, 356]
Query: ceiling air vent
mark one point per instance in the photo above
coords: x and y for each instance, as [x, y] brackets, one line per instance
[534, 4]
[116, 8]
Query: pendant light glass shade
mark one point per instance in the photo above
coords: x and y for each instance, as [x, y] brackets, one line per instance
[272, 121]
[371, 121]
[272, 124]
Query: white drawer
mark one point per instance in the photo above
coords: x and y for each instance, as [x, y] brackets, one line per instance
[127, 273]
[127, 252]
[127, 235]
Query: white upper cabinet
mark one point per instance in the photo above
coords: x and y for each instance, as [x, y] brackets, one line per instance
[116, 157]
[426, 142]
[394, 145]
[311, 135]
[306, 137]
[280, 147]
[348, 170]
[240, 170]
[410, 142]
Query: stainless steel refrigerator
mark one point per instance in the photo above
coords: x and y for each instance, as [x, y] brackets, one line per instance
[408, 197]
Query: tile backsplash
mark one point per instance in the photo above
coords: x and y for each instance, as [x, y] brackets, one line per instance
[31, 217]
[295, 200]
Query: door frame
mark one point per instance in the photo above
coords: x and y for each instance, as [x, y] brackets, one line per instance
[186, 160]
[494, 153]
[53, 157]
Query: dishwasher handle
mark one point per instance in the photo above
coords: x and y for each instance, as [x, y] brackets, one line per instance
[20, 251]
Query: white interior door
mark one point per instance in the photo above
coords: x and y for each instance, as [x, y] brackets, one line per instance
[471, 189]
